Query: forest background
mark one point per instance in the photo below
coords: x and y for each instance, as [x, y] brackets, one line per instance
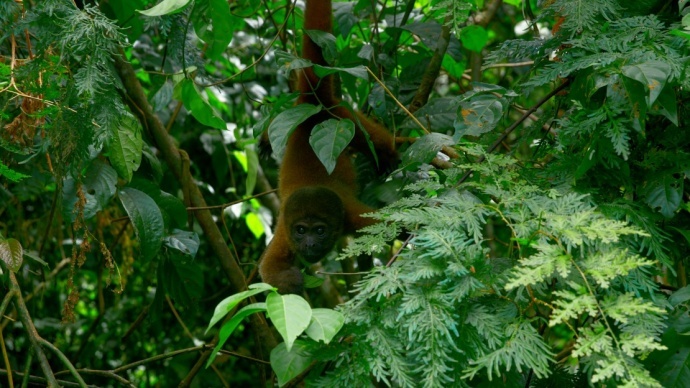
[545, 148]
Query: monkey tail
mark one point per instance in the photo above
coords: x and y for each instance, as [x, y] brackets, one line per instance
[317, 16]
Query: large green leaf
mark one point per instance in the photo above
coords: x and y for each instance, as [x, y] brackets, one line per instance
[184, 280]
[125, 147]
[229, 303]
[478, 115]
[326, 41]
[185, 242]
[11, 253]
[652, 75]
[285, 123]
[668, 105]
[223, 26]
[199, 108]
[325, 324]
[290, 315]
[230, 326]
[146, 218]
[664, 194]
[329, 138]
[165, 7]
[474, 37]
[98, 186]
[289, 363]
[426, 148]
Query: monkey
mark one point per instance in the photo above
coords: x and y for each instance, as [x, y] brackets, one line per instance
[317, 208]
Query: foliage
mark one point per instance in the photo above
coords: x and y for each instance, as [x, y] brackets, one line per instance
[535, 233]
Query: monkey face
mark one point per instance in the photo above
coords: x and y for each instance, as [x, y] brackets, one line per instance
[312, 238]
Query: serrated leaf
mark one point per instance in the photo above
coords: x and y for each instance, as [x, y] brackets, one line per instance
[328, 140]
[290, 315]
[652, 75]
[146, 218]
[284, 124]
[98, 186]
[229, 327]
[229, 303]
[289, 363]
[199, 107]
[165, 7]
[185, 242]
[184, 280]
[325, 324]
[10, 174]
[125, 147]
[11, 253]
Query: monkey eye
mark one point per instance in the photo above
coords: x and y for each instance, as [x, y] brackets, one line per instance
[320, 230]
[301, 229]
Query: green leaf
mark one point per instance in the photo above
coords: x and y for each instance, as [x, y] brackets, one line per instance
[680, 296]
[289, 62]
[667, 104]
[33, 255]
[223, 26]
[185, 242]
[288, 364]
[479, 115]
[425, 148]
[290, 314]
[328, 140]
[252, 169]
[165, 7]
[184, 280]
[357, 71]
[172, 207]
[199, 108]
[285, 123]
[11, 253]
[474, 38]
[98, 186]
[10, 174]
[229, 303]
[254, 224]
[325, 324]
[229, 327]
[146, 218]
[125, 147]
[311, 281]
[326, 41]
[664, 194]
[652, 75]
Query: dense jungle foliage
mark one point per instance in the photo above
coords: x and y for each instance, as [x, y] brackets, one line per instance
[536, 232]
